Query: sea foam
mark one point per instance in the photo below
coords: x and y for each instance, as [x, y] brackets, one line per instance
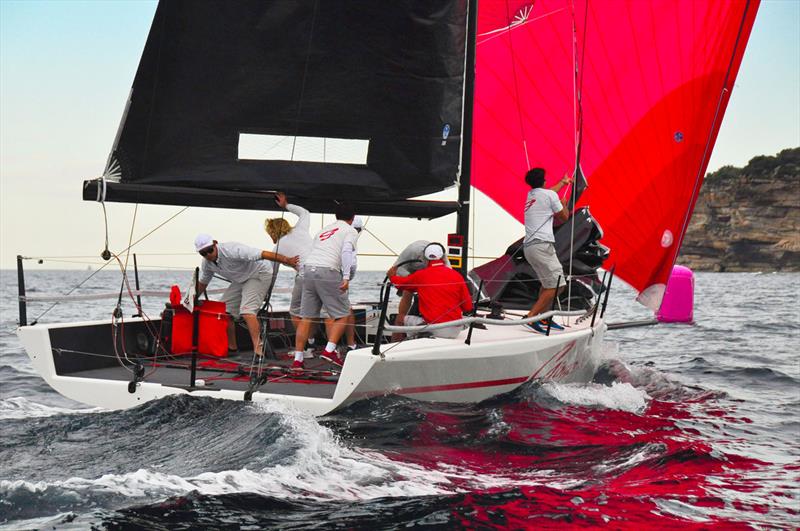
[620, 396]
[19, 407]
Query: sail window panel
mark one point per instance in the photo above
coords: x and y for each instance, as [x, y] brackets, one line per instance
[303, 148]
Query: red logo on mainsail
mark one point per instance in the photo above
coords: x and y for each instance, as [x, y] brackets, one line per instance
[327, 234]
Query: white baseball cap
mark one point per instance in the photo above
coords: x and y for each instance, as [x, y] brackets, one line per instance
[433, 251]
[202, 241]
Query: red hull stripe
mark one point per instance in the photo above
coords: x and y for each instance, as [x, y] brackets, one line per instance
[466, 385]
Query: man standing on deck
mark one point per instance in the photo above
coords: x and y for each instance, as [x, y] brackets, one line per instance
[350, 328]
[292, 241]
[326, 280]
[541, 206]
[443, 294]
[249, 275]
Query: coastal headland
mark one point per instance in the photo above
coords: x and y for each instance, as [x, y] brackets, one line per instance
[747, 219]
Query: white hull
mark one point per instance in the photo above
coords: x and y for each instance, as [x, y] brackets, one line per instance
[498, 360]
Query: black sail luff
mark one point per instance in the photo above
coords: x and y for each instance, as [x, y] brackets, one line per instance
[390, 73]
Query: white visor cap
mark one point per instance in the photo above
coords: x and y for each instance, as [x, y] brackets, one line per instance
[433, 251]
[202, 241]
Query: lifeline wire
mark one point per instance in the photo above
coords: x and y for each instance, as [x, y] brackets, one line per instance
[36, 320]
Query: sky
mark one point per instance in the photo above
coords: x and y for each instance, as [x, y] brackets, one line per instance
[66, 68]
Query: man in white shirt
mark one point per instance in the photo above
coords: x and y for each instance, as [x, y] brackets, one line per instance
[542, 205]
[249, 275]
[326, 280]
[350, 328]
[292, 241]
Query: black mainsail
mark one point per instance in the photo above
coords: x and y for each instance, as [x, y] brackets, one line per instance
[390, 74]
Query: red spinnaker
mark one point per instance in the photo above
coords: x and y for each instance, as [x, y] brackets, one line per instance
[655, 77]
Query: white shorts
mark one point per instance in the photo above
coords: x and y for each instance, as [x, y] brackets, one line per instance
[451, 332]
[542, 257]
[248, 296]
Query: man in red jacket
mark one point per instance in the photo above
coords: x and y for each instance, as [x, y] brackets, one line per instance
[443, 294]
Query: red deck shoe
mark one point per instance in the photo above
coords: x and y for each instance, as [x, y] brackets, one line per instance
[332, 357]
[298, 366]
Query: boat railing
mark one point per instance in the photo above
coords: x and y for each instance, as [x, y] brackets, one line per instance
[485, 320]
[23, 298]
[471, 321]
[100, 296]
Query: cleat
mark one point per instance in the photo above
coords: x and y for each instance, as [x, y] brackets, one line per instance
[332, 357]
[298, 366]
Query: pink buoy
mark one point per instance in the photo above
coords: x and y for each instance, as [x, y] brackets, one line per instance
[678, 303]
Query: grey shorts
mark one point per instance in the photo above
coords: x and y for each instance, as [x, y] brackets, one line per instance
[297, 296]
[321, 289]
[248, 296]
[542, 258]
[451, 332]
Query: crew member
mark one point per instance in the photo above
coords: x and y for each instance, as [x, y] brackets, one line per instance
[443, 294]
[350, 328]
[410, 260]
[245, 267]
[542, 205]
[326, 272]
[292, 241]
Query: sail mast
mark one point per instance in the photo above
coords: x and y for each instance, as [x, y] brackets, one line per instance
[464, 187]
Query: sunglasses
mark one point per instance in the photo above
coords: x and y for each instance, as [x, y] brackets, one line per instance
[206, 251]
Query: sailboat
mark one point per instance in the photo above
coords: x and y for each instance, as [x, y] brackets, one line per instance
[627, 96]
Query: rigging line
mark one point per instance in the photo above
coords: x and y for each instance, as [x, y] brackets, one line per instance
[82, 282]
[490, 35]
[473, 208]
[105, 223]
[394, 253]
[305, 77]
[95, 256]
[516, 87]
[263, 336]
[575, 111]
[109, 262]
[181, 211]
[130, 236]
[578, 102]
[574, 77]
[699, 176]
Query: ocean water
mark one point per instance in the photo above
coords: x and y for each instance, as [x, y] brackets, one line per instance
[690, 426]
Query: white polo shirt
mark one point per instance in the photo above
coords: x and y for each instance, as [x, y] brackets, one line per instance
[540, 206]
[236, 262]
[327, 245]
[298, 242]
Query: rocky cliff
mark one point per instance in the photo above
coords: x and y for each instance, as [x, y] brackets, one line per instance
[747, 219]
